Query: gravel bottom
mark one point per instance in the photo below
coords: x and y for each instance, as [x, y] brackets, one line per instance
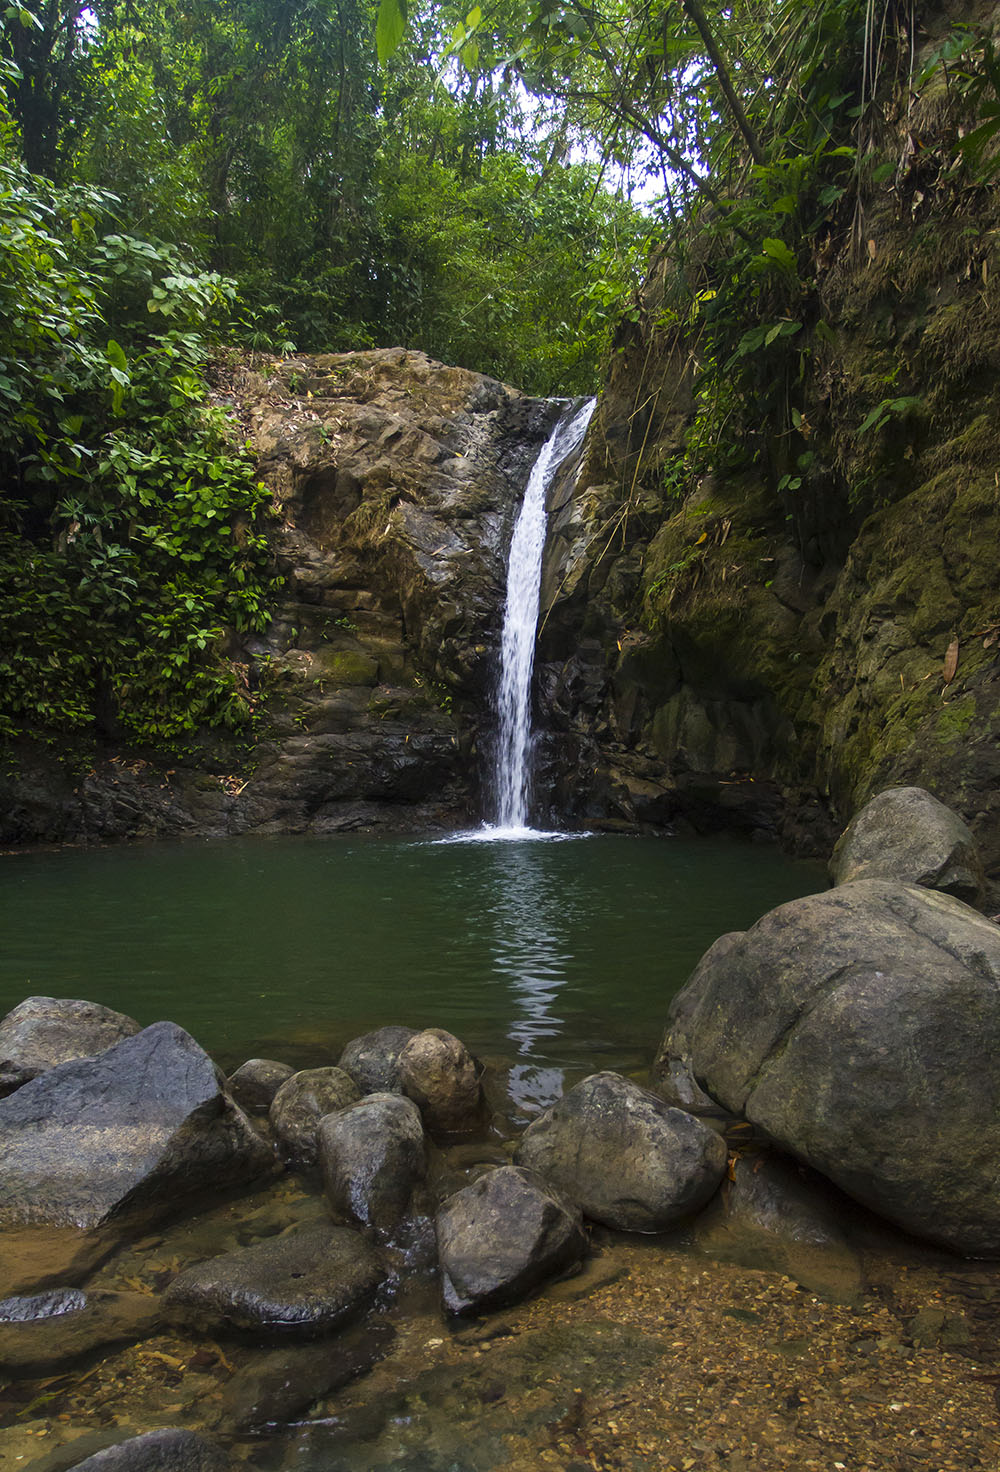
[654, 1359]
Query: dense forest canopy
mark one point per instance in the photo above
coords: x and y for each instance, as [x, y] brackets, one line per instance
[280, 175]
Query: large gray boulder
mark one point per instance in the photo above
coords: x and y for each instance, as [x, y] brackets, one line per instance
[504, 1236]
[135, 1131]
[372, 1155]
[306, 1282]
[301, 1102]
[627, 1158]
[904, 833]
[373, 1059]
[860, 1029]
[42, 1032]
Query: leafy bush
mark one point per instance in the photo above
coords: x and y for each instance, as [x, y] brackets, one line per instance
[131, 524]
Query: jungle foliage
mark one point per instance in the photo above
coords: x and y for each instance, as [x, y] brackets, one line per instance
[332, 174]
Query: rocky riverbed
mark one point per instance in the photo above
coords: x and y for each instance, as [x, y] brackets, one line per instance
[655, 1357]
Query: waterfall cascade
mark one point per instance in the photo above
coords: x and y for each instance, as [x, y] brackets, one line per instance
[512, 776]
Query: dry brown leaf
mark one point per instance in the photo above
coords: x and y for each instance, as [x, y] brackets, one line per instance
[872, 250]
[951, 662]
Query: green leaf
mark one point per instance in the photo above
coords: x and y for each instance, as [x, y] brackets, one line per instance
[877, 416]
[777, 251]
[116, 355]
[389, 28]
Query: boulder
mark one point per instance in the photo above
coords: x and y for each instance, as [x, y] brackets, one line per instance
[372, 1155]
[373, 1060]
[904, 833]
[300, 1104]
[132, 1132]
[44, 1331]
[860, 1029]
[439, 1074]
[167, 1450]
[43, 1031]
[504, 1236]
[309, 1281]
[627, 1158]
[255, 1083]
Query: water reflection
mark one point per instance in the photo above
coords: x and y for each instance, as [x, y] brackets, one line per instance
[527, 913]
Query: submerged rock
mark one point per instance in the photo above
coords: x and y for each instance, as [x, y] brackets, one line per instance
[300, 1104]
[48, 1330]
[372, 1155]
[167, 1450]
[439, 1074]
[255, 1083]
[904, 833]
[42, 1032]
[860, 1029]
[502, 1237]
[308, 1281]
[373, 1060]
[132, 1132]
[627, 1158]
[777, 1215]
[282, 1383]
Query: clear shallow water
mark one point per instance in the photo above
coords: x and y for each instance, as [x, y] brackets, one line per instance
[555, 955]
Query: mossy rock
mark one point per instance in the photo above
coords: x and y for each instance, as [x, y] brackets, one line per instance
[346, 667]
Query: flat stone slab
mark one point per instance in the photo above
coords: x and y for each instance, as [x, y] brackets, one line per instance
[130, 1133]
[308, 1281]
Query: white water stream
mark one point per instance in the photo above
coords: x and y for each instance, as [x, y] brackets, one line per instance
[512, 777]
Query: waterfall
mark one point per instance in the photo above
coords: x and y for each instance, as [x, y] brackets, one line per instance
[512, 776]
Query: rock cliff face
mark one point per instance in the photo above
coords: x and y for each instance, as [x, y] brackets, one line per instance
[768, 650]
[395, 484]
